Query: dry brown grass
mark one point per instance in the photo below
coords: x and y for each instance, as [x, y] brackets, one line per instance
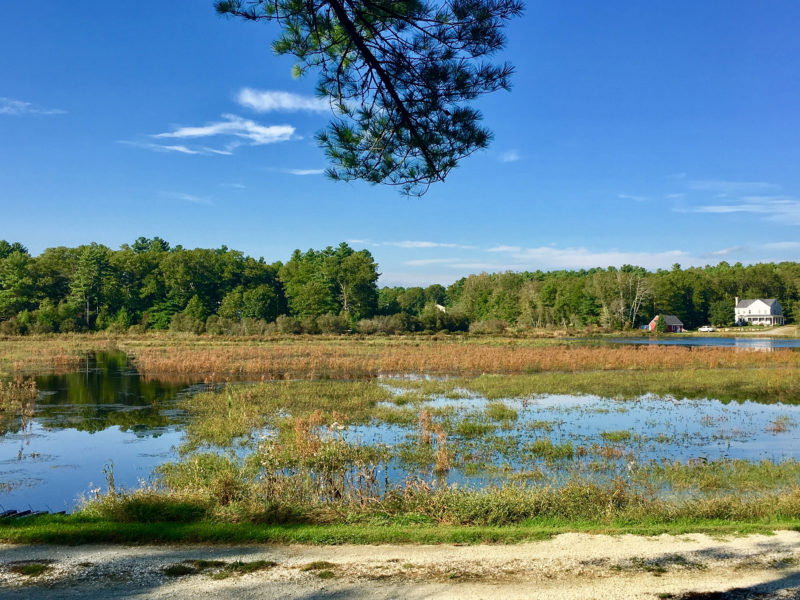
[348, 358]
[216, 359]
[52, 354]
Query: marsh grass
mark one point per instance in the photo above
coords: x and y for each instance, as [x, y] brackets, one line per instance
[617, 437]
[739, 476]
[52, 354]
[781, 424]
[352, 358]
[220, 416]
[277, 453]
[546, 449]
[473, 427]
[498, 411]
[763, 384]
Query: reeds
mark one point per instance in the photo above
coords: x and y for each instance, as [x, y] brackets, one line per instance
[347, 359]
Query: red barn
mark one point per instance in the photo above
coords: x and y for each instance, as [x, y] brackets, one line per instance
[674, 324]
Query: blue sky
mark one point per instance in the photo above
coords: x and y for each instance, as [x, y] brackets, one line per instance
[644, 133]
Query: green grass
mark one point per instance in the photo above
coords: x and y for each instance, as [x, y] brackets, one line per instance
[33, 569]
[318, 565]
[497, 411]
[762, 384]
[616, 437]
[472, 428]
[80, 530]
[545, 448]
[180, 570]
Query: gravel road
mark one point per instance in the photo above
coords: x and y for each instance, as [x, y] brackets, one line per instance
[569, 566]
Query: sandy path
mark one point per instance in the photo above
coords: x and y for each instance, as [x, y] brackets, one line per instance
[567, 566]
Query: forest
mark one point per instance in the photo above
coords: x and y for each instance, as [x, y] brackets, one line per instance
[150, 284]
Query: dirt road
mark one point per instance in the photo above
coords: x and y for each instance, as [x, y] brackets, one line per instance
[578, 566]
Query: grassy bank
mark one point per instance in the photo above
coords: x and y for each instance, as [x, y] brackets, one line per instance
[73, 530]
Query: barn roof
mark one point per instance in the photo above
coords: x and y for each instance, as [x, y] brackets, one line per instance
[669, 319]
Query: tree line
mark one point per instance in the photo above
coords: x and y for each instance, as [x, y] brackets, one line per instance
[152, 285]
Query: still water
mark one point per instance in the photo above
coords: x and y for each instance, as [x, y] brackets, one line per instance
[82, 422]
[753, 343]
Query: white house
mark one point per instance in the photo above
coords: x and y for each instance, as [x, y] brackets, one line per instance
[761, 311]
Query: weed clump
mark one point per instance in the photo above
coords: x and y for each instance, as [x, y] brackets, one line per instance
[497, 411]
[30, 569]
[545, 448]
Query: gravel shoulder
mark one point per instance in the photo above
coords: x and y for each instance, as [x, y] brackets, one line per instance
[566, 566]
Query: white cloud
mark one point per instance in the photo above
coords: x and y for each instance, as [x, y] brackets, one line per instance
[187, 198]
[510, 156]
[234, 127]
[10, 106]
[632, 197]
[306, 171]
[430, 261]
[414, 244]
[424, 244]
[272, 100]
[547, 257]
[674, 196]
[551, 258]
[731, 187]
[781, 209]
[725, 251]
[782, 246]
[179, 148]
[237, 186]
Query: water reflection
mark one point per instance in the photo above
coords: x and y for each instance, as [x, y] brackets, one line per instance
[57, 447]
[765, 344]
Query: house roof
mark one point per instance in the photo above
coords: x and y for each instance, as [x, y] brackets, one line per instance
[745, 303]
[670, 319]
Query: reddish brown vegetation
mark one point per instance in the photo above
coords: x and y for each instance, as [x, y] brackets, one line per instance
[354, 359]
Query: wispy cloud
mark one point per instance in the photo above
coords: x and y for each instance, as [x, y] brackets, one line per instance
[237, 186]
[549, 257]
[632, 197]
[187, 198]
[10, 106]
[414, 244]
[237, 129]
[509, 156]
[430, 261]
[179, 148]
[725, 252]
[425, 244]
[731, 187]
[273, 100]
[305, 171]
[782, 246]
[781, 209]
[505, 249]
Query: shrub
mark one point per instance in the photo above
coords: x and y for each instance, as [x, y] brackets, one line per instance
[333, 323]
[489, 326]
[287, 324]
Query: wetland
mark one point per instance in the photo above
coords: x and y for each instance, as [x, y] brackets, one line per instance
[679, 433]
